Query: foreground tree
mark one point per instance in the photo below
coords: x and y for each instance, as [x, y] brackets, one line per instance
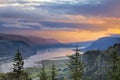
[18, 72]
[18, 64]
[13, 76]
[114, 65]
[2, 76]
[43, 74]
[75, 65]
[53, 72]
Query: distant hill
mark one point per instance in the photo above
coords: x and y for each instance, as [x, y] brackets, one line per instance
[28, 46]
[8, 49]
[35, 42]
[41, 43]
[28, 39]
[102, 43]
[9, 43]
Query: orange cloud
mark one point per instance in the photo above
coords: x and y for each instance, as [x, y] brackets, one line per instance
[114, 31]
[68, 36]
[110, 25]
[65, 36]
[76, 36]
[99, 22]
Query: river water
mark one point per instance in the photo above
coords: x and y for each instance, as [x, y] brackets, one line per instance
[41, 55]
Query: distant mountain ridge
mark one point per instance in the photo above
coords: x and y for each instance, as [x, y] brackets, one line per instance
[28, 46]
[9, 43]
[102, 43]
[8, 48]
[41, 43]
[28, 39]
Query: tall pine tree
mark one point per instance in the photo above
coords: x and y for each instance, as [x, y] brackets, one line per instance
[75, 65]
[18, 72]
[53, 72]
[43, 74]
[18, 62]
[18, 65]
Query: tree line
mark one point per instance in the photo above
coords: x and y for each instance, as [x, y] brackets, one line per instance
[75, 67]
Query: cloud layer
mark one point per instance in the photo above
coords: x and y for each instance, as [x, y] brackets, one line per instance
[60, 15]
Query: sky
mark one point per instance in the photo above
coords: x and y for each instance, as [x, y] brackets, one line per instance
[64, 20]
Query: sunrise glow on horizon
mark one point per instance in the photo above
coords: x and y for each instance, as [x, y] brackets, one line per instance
[64, 20]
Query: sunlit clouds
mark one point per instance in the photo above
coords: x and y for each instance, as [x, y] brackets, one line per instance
[63, 20]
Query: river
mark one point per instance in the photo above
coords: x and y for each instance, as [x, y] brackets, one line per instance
[41, 55]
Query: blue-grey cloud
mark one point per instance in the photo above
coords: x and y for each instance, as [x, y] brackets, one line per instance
[43, 10]
[27, 9]
[45, 25]
[81, 26]
[17, 12]
[104, 8]
[48, 11]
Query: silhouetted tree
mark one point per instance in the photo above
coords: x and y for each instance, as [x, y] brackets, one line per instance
[18, 62]
[18, 72]
[75, 65]
[65, 78]
[13, 76]
[114, 65]
[53, 72]
[43, 74]
[2, 76]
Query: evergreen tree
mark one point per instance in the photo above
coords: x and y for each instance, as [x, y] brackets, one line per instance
[75, 66]
[43, 74]
[2, 76]
[53, 72]
[114, 65]
[13, 76]
[18, 72]
[18, 65]
[18, 62]
[65, 78]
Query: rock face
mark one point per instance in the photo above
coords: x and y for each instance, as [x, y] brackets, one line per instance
[96, 62]
[102, 43]
[8, 48]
